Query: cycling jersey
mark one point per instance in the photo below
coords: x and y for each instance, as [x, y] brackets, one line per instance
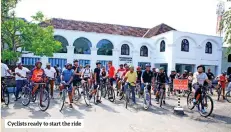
[200, 78]
[103, 73]
[172, 76]
[139, 73]
[120, 72]
[111, 72]
[86, 73]
[161, 77]
[37, 75]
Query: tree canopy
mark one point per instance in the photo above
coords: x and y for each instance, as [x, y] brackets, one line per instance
[18, 34]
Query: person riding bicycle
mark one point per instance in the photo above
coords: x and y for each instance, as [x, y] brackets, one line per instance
[37, 76]
[67, 77]
[86, 74]
[199, 77]
[147, 77]
[20, 78]
[111, 73]
[76, 77]
[172, 76]
[96, 80]
[222, 82]
[161, 79]
[125, 72]
[130, 78]
[51, 75]
[184, 75]
[139, 74]
[119, 74]
[4, 71]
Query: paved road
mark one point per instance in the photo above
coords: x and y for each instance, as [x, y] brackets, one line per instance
[113, 117]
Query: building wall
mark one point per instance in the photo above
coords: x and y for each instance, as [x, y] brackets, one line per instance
[172, 55]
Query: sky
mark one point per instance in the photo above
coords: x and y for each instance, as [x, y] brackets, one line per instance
[196, 16]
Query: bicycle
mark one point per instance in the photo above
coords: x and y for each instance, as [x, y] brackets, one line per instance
[77, 93]
[86, 93]
[127, 94]
[228, 96]
[138, 88]
[203, 101]
[97, 94]
[219, 89]
[147, 95]
[5, 94]
[64, 94]
[162, 93]
[110, 92]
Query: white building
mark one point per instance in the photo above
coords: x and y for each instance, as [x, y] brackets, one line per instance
[160, 46]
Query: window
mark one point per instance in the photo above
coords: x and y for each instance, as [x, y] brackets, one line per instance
[162, 46]
[125, 49]
[185, 45]
[229, 58]
[104, 47]
[144, 51]
[63, 41]
[208, 48]
[229, 71]
[82, 46]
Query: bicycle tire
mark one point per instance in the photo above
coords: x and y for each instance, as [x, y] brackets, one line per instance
[77, 94]
[161, 97]
[46, 98]
[86, 96]
[190, 98]
[6, 96]
[219, 93]
[228, 96]
[103, 91]
[126, 99]
[112, 94]
[27, 94]
[146, 104]
[211, 110]
[63, 98]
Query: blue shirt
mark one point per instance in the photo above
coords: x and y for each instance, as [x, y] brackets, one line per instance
[67, 74]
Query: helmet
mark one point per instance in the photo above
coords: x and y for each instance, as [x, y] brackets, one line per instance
[224, 72]
[97, 63]
[68, 64]
[185, 71]
[173, 71]
[138, 68]
[161, 68]
[38, 63]
[147, 65]
[75, 61]
[131, 66]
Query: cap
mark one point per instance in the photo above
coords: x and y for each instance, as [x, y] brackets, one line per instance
[131, 66]
[97, 63]
[161, 68]
[173, 70]
[147, 65]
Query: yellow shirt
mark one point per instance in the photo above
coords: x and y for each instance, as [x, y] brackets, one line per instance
[131, 77]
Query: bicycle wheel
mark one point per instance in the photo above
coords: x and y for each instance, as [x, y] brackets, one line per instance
[103, 91]
[190, 103]
[64, 93]
[77, 95]
[6, 96]
[207, 102]
[146, 101]
[26, 96]
[161, 97]
[45, 100]
[86, 96]
[218, 93]
[127, 99]
[111, 95]
[228, 96]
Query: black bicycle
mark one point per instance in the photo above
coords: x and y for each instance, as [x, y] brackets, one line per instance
[86, 93]
[219, 89]
[64, 94]
[204, 101]
[161, 93]
[228, 96]
[109, 92]
[5, 94]
[128, 94]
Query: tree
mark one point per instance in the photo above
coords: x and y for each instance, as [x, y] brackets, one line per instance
[18, 35]
[226, 27]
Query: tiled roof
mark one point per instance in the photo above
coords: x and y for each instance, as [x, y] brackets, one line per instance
[107, 28]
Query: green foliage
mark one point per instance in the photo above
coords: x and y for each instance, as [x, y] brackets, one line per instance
[226, 27]
[17, 33]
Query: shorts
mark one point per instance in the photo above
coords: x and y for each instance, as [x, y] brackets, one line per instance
[142, 87]
[69, 88]
[76, 82]
[111, 80]
[86, 78]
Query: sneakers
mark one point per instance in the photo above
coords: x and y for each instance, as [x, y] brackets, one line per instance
[70, 106]
[98, 101]
[194, 101]
[203, 111]
[42, 105]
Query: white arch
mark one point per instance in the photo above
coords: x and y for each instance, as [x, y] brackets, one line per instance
[149, 46]
[131, 46]
[212, 41]
[188, 38]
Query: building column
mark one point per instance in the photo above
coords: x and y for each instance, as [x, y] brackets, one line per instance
[115, 55]
[171, 66]
[44, 61]
[70, 54]
[93, 57]
[135, 55]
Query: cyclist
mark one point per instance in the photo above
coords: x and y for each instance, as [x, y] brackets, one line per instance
[76, 77]
[210, 75]
[147, 77]
[37, 76]
[67, 77]
[161, 78]
[184, 75]
[199, 77]
[119, 74]
[103, 74]
[4, 71]
[51, 74]
[222, 82]
[190, 79]
[130, 79]
[139, 74]
[96, 80]
[86, 74]
[20, 78]
[172, 76]
[111, 74]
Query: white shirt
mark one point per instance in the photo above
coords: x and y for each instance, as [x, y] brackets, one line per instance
[86, 73]
[4, 69]
[22, 72]
[200, 78]
[50, 72]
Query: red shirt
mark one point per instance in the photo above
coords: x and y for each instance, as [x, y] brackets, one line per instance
[125, 72]
[37, 75]
[111, 72]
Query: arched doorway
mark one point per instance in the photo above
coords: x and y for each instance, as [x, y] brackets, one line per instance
[82, 46]
[105, 47]
[63, 41]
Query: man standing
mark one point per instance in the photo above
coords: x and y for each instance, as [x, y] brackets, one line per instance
[77, 74]
[4, 71]
[210, 75]
[51, 75]
[20, 78]
[172, 76]
[111, 73]
[222, 82]
[161, 79]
